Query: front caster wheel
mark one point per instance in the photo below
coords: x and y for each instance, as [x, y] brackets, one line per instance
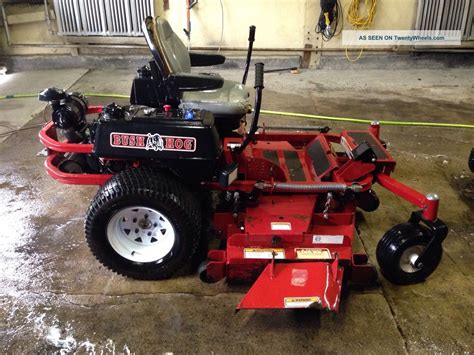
[143, 224]
[398, 250]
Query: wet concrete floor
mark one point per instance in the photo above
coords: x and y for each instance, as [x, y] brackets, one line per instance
[54, 296]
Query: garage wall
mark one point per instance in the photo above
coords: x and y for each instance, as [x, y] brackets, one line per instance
[34, 32]
[392, 14]
[280, 23]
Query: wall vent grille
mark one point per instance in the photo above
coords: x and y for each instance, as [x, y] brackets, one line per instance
[456, 15]
[102, 17]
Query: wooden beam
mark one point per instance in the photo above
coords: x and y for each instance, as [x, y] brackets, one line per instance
[311, 38]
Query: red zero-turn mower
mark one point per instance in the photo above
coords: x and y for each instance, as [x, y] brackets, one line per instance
[179, 165]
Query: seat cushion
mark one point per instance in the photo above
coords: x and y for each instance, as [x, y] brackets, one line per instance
[230, 100]
[175, 52]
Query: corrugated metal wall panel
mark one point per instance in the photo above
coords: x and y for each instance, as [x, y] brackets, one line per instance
[102, 17]
[454, 15]
[470, 23]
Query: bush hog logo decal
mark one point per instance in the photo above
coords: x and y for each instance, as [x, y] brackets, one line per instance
[154, 142]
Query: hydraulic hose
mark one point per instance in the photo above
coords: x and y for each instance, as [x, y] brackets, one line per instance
[294, 114]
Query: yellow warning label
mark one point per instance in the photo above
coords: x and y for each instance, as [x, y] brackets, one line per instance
[269, 253]
[313, 253]
[301, 302]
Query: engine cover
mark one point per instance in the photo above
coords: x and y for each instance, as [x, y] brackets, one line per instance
[185, 142]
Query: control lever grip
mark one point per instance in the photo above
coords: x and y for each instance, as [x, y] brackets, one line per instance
[252, 33]
[249, 53]
[259, 75]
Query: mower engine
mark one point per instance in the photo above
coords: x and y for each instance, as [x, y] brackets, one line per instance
[69, 113]
[69, 118]
[184, 141]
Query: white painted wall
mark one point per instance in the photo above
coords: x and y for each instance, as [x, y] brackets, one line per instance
[280, 23]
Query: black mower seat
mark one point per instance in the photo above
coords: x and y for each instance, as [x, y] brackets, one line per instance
[230, 102]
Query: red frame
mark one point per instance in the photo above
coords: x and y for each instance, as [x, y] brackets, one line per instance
[300, 213]
[49, 138]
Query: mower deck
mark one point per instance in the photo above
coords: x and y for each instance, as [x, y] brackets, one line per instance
[302, 254]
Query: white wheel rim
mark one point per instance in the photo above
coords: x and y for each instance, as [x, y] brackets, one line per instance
[141, 234]
[409, 257]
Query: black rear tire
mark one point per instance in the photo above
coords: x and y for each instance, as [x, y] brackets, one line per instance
[158, 193]
[401, 244]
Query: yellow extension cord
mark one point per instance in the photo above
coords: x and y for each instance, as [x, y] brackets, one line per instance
[359, 21]
[356, 19]
[293, 114]
[353, 60]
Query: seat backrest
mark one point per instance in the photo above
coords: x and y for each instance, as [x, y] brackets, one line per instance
[173, 51]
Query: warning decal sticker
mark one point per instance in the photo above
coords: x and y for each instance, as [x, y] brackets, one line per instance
[280, 226]
[301, 302]
[328, 239]
[257, 253]
[313, 253]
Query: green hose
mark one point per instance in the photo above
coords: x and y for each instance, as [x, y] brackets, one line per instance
[17, 96]
[292, 114]
[118, 96]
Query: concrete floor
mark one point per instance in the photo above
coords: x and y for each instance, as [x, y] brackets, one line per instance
[54, 295]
